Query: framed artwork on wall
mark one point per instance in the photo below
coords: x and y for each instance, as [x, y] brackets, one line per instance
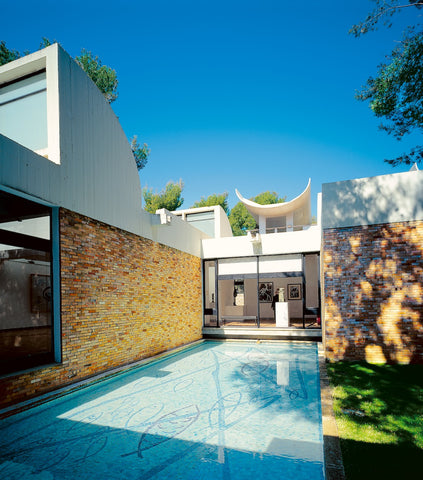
[295, 291]
[265, 292]
[40, 293]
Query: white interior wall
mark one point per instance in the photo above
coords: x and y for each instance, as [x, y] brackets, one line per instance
[250, 288]
[36, 227]
[311, 265]
[238, 266]
[295, 307]
[277, 264]
[226, 299]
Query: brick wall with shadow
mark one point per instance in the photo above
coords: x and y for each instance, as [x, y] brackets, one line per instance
[373, 293]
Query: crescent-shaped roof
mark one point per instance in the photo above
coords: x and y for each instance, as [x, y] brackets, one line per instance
[302, 202]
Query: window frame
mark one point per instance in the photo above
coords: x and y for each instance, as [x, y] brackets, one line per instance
[54, 214]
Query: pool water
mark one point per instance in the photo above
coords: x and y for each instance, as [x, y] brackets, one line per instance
[219, 410]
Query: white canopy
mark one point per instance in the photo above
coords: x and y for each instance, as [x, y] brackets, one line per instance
[300, 204]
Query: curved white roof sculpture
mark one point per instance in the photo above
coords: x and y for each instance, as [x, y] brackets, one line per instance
[302, 202]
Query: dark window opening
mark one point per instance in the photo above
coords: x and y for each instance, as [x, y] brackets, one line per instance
[26, 326]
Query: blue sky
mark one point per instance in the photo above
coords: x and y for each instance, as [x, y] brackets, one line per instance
[254, 95]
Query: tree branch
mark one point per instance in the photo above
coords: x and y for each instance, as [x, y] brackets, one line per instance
[373, 18]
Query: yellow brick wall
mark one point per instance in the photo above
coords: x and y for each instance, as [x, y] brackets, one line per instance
[123, 298]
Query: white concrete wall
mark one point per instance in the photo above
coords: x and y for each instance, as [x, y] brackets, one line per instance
[178, 234]
[95, 154]
[222, 225]
[273, 243]
[368, 201]
[91, 169]
[25, 171]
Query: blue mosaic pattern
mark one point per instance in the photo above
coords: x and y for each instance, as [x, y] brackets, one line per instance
[227, 411]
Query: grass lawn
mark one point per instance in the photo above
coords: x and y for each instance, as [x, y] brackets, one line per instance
[379, 413]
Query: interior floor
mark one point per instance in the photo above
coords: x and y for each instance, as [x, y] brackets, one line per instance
[309, 322]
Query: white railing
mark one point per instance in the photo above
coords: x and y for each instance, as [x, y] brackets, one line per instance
[295, 228]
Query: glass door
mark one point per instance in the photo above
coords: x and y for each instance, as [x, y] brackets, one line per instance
[210, 300]
[312, 318]
[280, 276]
[237, 292]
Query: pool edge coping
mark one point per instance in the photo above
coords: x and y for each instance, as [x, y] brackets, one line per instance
[334, 467]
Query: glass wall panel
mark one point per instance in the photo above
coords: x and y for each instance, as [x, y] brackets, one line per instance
[26, 338]
[279, 277]
[237, 292]
[210, 300]
[312, 291]
[23, 111]
[279, 291]
[276, 225]
[204, 221]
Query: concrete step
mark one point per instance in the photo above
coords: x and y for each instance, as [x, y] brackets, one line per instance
[309, 334]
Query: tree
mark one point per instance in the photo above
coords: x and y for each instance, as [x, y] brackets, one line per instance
[7, 55]
[383, 11]
[241, 220]
[396, 93]
[103, 76]
[140, 153]
[268, 198]
[169, 198]
[45, 42]
[214, 199]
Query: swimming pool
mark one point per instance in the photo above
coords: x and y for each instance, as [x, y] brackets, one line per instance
[219, 410]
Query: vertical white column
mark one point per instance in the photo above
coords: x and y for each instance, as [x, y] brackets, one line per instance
[290, 222]
[262, 225]
[319, 208]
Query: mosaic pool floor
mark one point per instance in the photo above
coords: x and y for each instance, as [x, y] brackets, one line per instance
[225, 410]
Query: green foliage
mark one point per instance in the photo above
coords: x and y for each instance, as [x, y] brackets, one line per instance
[396, 92]
[382, 12]
[268, 198]
[241, 220]
[169, 198]
[140, 153]
[103, 76]
[379, 413]
[7, 55]
[45, 42]
[214, 199]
